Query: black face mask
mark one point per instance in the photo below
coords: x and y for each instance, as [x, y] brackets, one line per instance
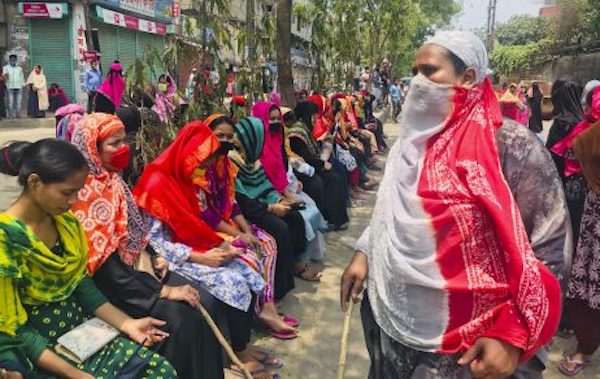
[225, 147]
[274, 127]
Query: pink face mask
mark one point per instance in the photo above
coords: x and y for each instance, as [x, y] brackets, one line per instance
[120, 159]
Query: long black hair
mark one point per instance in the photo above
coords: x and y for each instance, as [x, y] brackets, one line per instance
[53, 160]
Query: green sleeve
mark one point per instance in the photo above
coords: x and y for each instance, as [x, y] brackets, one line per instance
[32, 342]
[11, 349]
[89, 296]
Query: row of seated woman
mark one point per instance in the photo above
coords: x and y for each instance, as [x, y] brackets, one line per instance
[226, 217]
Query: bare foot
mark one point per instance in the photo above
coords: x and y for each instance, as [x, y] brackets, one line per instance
[268, 315]
[251, 364]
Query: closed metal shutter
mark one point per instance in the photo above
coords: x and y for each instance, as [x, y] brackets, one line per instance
[109, 44]
[124, 44]
[50, 47]
[127, 47]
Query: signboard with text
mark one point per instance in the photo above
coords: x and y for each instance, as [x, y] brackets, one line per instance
[161, 10]
[42, 10]
[130, 22]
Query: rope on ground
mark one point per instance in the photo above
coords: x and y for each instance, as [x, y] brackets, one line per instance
[344, 341]
[223, 341]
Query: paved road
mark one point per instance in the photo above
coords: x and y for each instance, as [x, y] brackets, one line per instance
[8, 185]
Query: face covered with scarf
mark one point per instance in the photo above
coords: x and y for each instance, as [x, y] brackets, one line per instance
[105, 206]
[455, 240]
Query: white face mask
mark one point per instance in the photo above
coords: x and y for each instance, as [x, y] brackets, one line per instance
[427, 104]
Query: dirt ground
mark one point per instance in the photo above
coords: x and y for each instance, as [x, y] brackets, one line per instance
[314, 355]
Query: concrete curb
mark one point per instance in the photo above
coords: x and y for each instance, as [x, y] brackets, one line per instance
[28, 123]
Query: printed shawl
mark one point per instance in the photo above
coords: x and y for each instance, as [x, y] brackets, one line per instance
[218, 181]
[105, 206]
[451, 262]
[272, 154]
[490, 282]
[31, 274]
[251, 180]
[166, 189]
[303, 127]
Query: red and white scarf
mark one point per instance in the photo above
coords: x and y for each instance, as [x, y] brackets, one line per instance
[449, 257]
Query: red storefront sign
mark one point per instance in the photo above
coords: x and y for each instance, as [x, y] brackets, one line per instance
[42, 10]
[130, 22]
[90, 56]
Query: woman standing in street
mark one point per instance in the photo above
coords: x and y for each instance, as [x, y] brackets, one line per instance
[38, 93]
[535, 97]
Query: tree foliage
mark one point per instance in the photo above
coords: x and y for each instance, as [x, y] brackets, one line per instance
[351, 33]
[522, 30]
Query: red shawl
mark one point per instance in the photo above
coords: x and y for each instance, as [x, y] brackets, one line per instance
[498, 288]
[321, 126]
[166, 190]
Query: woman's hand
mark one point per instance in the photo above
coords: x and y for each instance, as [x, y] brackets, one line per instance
[4, 374]
[185, 293]
[279, 209]
[300, 186]
[491, 358]
[327, 166]
[144, 330]
[248, 238]
[218, 256]
[161, 266]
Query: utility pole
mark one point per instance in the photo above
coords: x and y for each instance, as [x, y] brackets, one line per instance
[491, 25]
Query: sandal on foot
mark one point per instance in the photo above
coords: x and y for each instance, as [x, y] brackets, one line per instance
[570, 367]
[269, 361]
[290, 320]
[308, 274]
[236, 371]
[283, 335]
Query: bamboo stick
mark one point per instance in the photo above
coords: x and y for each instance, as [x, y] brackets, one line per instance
[223, 341]
[344, 341]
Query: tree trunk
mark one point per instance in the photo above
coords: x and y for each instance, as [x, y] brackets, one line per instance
[251, 47]
[285, 79]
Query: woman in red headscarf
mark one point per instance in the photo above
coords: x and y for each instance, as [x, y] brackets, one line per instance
[167, 191]
[216, 195]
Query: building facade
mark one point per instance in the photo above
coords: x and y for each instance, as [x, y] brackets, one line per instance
[54, 34]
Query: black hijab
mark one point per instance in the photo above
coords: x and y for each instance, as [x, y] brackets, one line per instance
[304, 111]
[568, 112]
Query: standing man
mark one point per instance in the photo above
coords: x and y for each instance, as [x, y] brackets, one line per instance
[93, 79]
[396, 96]
[14, 79]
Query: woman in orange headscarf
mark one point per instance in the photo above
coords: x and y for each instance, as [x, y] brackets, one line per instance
[121, 266]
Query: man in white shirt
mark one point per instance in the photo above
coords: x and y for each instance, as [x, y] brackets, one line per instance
[14, 80]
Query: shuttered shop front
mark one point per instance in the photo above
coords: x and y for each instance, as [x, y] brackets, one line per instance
[124, 44]
[50, 47]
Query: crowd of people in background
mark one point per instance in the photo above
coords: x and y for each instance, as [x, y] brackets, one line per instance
[40, 98]
[236, 208]
[229, 215]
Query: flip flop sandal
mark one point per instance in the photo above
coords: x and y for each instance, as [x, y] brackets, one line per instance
[283, 335]
[237, 372]
[302, 274]
[275, 364]
[571, 367]
[290, 320]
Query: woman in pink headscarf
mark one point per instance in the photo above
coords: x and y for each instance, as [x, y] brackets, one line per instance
[166, 99]
[114, 84]
[272, 158]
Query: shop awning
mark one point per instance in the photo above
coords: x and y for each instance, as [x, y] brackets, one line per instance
[130, 22]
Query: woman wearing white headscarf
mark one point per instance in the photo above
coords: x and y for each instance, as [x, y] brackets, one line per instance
[454, 287]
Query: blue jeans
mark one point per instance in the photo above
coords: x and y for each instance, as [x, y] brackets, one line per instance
[14, 102]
